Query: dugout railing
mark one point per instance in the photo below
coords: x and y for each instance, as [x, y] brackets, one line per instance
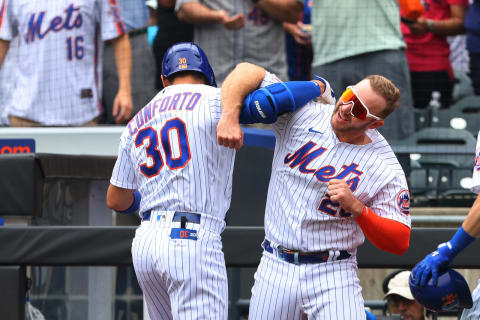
[110, 246]
[33, 183]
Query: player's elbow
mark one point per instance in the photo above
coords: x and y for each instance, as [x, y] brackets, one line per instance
[114, 200]
[255, 72]
[402, 249]
[245, 66]
[403, 243]
[112, 203]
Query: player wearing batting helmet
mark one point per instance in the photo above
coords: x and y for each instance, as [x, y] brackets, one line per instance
[171, 168]
[187, 56]
[428, 271]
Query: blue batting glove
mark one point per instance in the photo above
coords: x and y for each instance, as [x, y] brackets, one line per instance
[328, 96]
[370, 316]
[441, 258]
[432, 263]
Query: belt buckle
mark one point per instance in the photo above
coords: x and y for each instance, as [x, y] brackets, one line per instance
[295, 258]
[296, 255]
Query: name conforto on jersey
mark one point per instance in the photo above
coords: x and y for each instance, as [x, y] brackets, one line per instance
[179, 101]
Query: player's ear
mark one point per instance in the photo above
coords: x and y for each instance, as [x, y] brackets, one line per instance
[375, 124]
[165, 81]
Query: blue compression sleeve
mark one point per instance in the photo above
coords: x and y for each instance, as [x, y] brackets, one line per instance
[266, 104]
[137, 197]
[460, 240]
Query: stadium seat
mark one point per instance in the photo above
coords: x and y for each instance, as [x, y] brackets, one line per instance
[423, 118]
[439, 140]
[440, 160]
[441, 186]
[423, 181]
[454, 188]
[465, 114]
[463, 85]
[470, 101]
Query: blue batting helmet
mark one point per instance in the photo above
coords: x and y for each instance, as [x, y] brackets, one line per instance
[451, 293]
[187, 56]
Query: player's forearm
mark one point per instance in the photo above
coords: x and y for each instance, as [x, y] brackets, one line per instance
[386, 234]
[198, 13]
[4, 45]
[123, 60]
[119, 199]
[471, 225]
[282, 10]
[245, 78]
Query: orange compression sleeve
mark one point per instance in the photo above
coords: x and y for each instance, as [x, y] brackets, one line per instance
[386, 234]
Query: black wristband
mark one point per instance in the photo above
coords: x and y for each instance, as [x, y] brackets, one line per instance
[255, 1]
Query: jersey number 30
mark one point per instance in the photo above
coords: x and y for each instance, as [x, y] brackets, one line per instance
[177, 153]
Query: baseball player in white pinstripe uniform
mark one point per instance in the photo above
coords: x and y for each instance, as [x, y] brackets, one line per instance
[334, 179]
[59, 59]
[440, 259]
[169, 153]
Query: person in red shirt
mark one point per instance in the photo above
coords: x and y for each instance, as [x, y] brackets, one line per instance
[428, 50]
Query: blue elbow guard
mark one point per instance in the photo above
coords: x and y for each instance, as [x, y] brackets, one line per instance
[266, 104]
[137, 197]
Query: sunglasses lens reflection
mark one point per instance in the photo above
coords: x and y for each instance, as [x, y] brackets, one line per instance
[348, 95]
[359, 111]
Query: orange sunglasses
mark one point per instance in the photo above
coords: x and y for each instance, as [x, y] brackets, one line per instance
[359, 109]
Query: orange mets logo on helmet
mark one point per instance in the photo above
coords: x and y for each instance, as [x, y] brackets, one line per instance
[403, 201]
[449, 301]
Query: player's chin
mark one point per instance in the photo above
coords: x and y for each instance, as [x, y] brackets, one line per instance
[340, 125]
[408, 316]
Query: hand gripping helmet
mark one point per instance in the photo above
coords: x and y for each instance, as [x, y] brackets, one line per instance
[187, 56]
[450, 294]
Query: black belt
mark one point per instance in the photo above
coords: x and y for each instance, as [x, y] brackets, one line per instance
[137, 32]
[177, 216]
[298, 257]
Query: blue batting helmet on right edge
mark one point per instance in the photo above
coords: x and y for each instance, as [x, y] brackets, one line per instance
[451, 292]
[187, 56]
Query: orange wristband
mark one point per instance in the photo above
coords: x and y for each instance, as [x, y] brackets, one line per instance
[386, 234]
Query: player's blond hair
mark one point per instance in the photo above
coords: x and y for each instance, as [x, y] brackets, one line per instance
[387, 90]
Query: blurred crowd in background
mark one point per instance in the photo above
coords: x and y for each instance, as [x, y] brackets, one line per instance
[429, 48]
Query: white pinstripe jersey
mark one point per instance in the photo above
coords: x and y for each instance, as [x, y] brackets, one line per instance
[169, 152]
[307, 155]
[476, 170]
[59, 56]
